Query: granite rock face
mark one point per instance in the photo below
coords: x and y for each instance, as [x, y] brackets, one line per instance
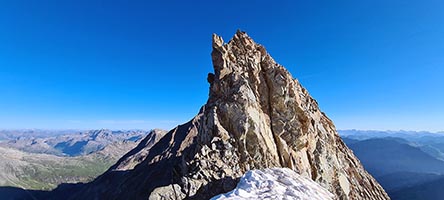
[257, 116]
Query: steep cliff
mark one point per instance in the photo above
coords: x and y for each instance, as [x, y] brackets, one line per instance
[257, 116]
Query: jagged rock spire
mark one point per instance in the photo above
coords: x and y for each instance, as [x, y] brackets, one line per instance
[257, 116]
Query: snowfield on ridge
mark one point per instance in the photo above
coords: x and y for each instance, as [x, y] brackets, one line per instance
[276, 183]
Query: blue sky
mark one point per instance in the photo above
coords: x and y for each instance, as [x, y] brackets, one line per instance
[139, 64]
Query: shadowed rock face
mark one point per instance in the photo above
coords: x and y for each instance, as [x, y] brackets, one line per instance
[257, 116]
[139, 153]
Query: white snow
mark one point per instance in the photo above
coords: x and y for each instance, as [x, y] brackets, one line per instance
[276, 183]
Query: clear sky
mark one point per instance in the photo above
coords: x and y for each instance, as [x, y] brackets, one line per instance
[373, 64]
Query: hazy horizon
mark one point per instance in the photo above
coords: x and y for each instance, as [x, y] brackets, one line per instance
[145, 129]
[87, 64]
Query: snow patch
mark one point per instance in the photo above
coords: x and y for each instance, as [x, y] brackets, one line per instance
[276, 183]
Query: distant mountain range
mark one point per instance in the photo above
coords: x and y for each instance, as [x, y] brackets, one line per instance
[66, 142]
[41, 159]
[11, 134]
[409, 165]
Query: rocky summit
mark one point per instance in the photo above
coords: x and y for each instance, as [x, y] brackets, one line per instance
[257, 116]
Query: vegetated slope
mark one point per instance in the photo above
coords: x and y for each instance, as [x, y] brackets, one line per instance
[257, 116]
[278, 184]
[45, 171]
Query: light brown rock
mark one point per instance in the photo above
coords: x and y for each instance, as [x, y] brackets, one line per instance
[257, 116]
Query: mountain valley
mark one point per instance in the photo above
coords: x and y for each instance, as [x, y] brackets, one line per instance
[401, 161]
[43, 161]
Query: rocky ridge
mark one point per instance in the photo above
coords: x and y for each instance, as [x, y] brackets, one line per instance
[139, 153]
[257, 116]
